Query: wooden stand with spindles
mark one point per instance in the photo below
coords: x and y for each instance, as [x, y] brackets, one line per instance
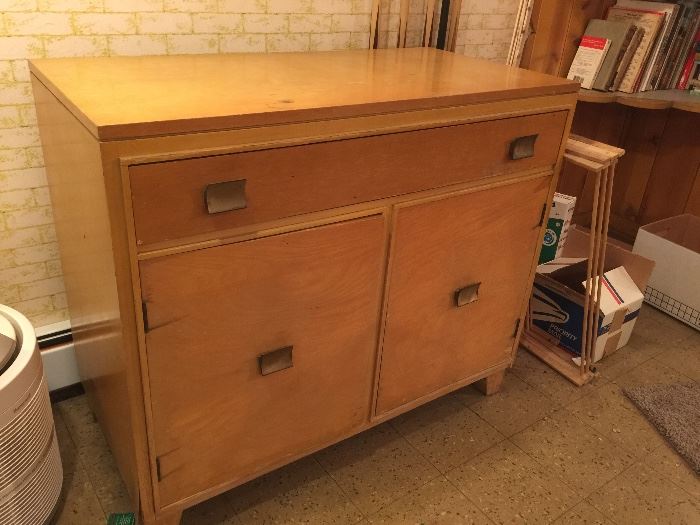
[599, 160]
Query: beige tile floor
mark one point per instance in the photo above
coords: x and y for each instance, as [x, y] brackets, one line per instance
[540, 451]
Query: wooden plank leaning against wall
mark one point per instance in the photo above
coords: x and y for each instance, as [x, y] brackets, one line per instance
[660, 175]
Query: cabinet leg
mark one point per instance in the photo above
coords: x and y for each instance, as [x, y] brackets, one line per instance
[491, 384]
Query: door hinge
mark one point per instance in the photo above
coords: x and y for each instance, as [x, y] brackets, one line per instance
[144, 311]
[158, 475]
[544, 210]
[517, 327]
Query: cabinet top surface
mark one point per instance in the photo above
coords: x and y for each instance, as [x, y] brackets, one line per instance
[128, 97]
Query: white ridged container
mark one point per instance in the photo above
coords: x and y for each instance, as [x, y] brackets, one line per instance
[31, 474]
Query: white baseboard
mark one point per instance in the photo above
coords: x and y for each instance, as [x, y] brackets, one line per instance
[60, 366]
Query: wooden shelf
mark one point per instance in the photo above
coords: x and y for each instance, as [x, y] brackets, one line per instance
[670, 98]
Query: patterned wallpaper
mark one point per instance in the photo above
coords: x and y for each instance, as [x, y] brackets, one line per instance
[30, 270]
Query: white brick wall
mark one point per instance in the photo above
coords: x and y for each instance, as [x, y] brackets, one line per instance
[30, 271]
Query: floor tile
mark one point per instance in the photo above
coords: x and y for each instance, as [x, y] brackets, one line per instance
[640, 495]
[509, 487]
[436, 503]
[446, 432]
[651, 372]
[298, 493]
[215, 511]
[671, 329]
[80, 421]
[78, 504]
[630, 356]
[583, 514]
[657, 326]
[684, 358]
[515, 407]
[609, 412]
[105, 478]
[94, 455]
[574, 452]
[376, 467]
[668, 463]
[69, 455]
[542, 377]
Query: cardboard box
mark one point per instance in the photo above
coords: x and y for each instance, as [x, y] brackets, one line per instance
[558, 224]
[674, 285]
[556, 306]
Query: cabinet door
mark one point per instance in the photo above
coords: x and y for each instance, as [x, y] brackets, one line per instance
[482, 243]
[213, 313]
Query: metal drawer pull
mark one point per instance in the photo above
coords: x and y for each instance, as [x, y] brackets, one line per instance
[225, 196]
[276, 360]
[523, 147]
[467, 295]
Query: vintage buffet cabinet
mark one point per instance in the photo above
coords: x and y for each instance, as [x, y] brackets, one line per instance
[266, 254]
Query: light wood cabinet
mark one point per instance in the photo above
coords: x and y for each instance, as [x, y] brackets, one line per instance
[258, 269]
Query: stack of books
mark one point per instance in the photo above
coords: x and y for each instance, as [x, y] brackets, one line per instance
[641, 45]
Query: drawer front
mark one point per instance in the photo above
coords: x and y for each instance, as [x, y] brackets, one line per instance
[459, 271]
[180, 198]
[260, 350]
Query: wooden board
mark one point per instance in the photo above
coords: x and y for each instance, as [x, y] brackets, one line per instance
[147, 96]
[93, 251]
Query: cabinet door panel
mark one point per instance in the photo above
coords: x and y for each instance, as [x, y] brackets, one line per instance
[212, 313]
[473, 250]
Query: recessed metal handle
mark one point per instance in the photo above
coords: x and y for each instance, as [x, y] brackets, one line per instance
[466, 295]
[276, 360]
[225, 196]
[523, 147]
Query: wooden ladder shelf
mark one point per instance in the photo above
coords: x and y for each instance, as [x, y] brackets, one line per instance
[599, 160]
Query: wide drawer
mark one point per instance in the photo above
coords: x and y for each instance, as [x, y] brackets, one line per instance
[176, 199]
[260, 350]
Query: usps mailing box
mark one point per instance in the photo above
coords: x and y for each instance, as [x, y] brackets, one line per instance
[556, 306]
[674, 285]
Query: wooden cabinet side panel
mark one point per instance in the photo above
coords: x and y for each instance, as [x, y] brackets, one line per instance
[84, 231]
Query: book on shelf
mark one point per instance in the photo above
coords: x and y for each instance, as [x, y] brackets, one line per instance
[663, 40]
[588, 60]
[620, 35]
[651, 22]
[690, 62]
[687, 31]
[626, 58]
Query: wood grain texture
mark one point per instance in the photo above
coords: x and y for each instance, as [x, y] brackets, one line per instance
[543, 49]
[168, 200]
[127, 97]
[657, 177]
[661, 99]
[87, 248]
[486, 237]
[491, 384]
[675, 168]
[211, 313]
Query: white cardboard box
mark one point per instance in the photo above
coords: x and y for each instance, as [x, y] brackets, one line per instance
[674, 285]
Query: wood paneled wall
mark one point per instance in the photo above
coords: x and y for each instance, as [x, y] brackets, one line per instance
[660, 174]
